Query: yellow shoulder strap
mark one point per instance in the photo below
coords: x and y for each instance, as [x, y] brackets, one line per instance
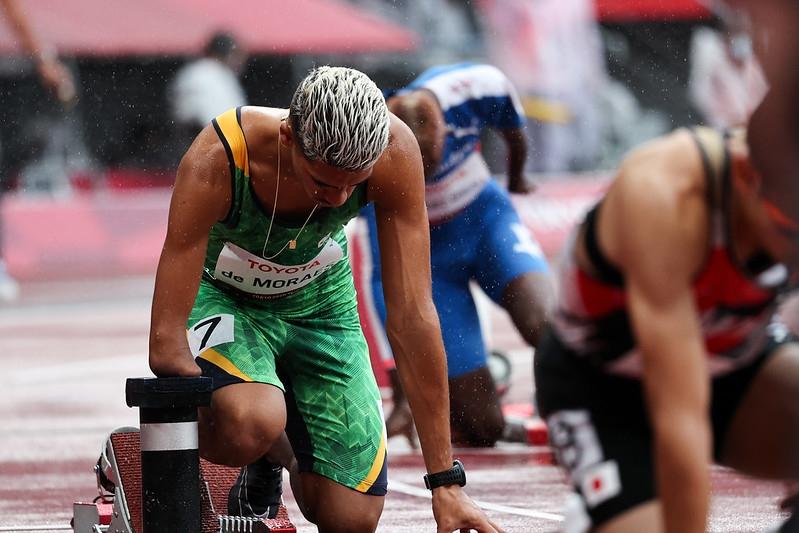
[228, 127]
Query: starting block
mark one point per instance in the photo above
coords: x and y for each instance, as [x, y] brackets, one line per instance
[131, 500]
[122, 512]
[535, 427]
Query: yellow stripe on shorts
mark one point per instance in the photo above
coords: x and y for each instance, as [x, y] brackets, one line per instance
[377, 466]
[212, 356]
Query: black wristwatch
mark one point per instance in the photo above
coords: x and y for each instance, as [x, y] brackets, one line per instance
[454, 476]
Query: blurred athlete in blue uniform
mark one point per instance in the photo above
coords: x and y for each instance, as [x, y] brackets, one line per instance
[475, 234]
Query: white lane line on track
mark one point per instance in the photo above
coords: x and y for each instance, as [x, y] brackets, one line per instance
[398, 486]
[102, 366]
[411, 490]
[35, 528]
[501, 449]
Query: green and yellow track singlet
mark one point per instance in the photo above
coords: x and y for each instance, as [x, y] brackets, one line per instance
[318, 266]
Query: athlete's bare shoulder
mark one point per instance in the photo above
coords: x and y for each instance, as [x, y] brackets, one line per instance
[204, 170]
[669, 166]
[202, 162]
[672, 152]
[658, 197]
[203, 179]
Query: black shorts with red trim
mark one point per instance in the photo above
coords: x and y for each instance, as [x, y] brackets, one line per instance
[599, 428]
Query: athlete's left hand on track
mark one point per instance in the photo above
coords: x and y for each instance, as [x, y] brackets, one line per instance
[455, 511]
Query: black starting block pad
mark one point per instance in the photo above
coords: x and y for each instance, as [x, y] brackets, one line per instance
[215, 484]
[534, 426]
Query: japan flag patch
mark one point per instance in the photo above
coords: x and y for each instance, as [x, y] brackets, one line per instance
[600, 482]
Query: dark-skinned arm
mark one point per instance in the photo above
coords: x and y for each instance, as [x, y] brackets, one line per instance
[516, 143]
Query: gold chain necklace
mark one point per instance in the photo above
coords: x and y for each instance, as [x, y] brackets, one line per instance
[292, 243]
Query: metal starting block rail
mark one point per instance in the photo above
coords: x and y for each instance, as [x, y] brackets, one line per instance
[162, 485]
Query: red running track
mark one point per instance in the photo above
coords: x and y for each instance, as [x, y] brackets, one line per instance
[68, 347]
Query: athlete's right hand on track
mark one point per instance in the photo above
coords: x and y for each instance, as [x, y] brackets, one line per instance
[455, 511]
[167, 365]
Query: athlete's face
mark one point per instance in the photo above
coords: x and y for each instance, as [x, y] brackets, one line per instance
[328, 186]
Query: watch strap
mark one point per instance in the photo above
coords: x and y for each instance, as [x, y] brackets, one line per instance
[454, 476]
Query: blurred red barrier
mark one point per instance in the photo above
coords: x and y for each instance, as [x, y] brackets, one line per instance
[120, 232]
[102, 234]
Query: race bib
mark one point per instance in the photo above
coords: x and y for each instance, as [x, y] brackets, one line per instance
[253, 274]
[211, 331]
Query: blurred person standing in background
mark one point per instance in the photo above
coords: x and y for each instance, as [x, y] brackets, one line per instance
[55, 76]
[475, 235]
[52, 72]
[552, 52]
[205, 87]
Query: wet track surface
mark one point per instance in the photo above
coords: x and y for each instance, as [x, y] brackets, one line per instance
[68, 347]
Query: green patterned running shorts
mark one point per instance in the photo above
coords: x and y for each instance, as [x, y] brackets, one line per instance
[320, 361]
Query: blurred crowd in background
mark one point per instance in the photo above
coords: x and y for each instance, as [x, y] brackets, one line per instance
[593, 83]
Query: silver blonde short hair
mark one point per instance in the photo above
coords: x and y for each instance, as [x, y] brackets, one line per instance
[340, 117]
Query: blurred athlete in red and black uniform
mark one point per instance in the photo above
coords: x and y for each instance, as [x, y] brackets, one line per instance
[663, 355]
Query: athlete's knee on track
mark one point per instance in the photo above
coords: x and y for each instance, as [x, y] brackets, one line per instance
[357, 519]
[346, 518]
[336, 508]
[240, 434]
[256, 429]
